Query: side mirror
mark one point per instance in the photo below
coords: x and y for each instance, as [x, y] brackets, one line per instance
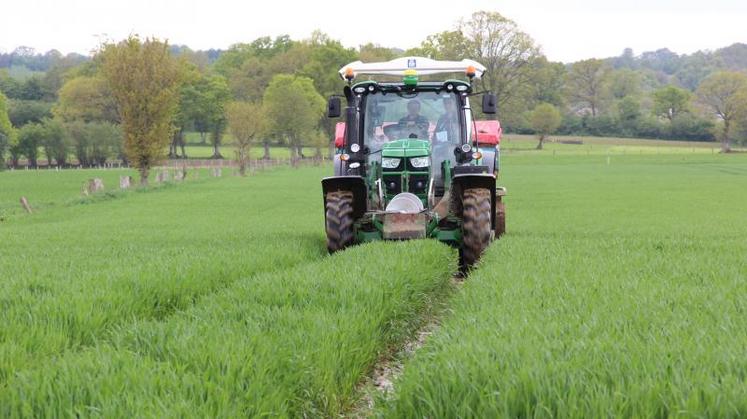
[489, 103]
[334, 107]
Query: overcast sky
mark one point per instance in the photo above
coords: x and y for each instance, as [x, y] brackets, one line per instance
[567, 30]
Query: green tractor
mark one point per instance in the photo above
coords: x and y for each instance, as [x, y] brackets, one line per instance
[411, 162]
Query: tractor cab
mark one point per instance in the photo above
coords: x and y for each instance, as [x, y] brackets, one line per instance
[408, 149]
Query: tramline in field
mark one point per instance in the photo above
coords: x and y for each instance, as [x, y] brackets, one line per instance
[412, 162]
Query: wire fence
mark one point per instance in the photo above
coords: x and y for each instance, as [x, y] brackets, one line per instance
[252, 165]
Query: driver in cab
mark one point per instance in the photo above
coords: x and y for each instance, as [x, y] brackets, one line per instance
[447, 126]
[413, 124]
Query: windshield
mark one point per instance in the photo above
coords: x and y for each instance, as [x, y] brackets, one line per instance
[424, 115]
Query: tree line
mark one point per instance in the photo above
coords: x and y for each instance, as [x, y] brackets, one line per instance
[271, 91]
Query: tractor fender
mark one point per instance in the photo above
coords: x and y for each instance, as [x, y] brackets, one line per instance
[338, 165]
[354, 184]
[462, 182]
[488, 158]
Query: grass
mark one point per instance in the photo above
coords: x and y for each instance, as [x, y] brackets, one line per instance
[73, 273]
[46, 188]
[618, 292]
[558, 144]
[290, 343]
[209, 298]
[197, 151]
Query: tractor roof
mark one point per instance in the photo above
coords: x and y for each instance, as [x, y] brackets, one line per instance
[423, 66]
[436, 86]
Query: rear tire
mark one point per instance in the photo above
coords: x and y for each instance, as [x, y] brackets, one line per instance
[500, 219]
[339, 220]
[476, 226]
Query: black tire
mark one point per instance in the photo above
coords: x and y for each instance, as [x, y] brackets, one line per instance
[339, 220]
[500, 219]
[476, 228]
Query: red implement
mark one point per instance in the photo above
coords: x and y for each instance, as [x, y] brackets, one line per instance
[489, 132]
[339, 134]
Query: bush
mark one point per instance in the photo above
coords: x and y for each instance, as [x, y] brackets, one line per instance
[30, 138]
[602, 125]
[56, 143]
[94, 143]
[649, 127]
[22, 112]
[690, 128]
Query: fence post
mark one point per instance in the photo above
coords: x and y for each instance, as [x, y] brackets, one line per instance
[25, 205]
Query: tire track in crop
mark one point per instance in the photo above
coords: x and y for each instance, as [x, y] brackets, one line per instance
[74, 331]
[164, 308]
[379, 385]
[314, 323]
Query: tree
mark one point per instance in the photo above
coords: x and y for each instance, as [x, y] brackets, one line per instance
[105, 141]
[247, 122]
[55, 142]
[548, 79]
[506, 52]
[446, 45]
[145, 80]
[319, 140]
[545, 120]
[94, 142]
[691, 127]
[186, 109]
[217, 96]
[203, 102]
[22, 112]
[628, 114]
[584, 84]
[741, 116]
[695, 68]
[293, 109]
[670, 102]
[495, 41]
[88, 99]
[32, 89]
[325, 58]
[6, 128]
[61, 71]
[369, 53]
[15, 152]
[249, 67]
[622, 83]
[30, 138]
[8, 85]
[721, 93]
[249, 81]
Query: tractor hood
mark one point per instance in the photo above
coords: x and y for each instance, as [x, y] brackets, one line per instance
[406, 148]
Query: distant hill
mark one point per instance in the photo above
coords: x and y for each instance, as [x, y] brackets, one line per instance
[687, 70]
[33, 62]
[684, 69]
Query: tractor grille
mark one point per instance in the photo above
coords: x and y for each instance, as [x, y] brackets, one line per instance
[392, 184]
[418, 184]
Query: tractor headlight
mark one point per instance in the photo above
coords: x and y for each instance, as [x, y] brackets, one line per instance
[420, 162]
[389, 163]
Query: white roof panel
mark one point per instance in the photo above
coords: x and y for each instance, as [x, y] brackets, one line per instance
[422, 65]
